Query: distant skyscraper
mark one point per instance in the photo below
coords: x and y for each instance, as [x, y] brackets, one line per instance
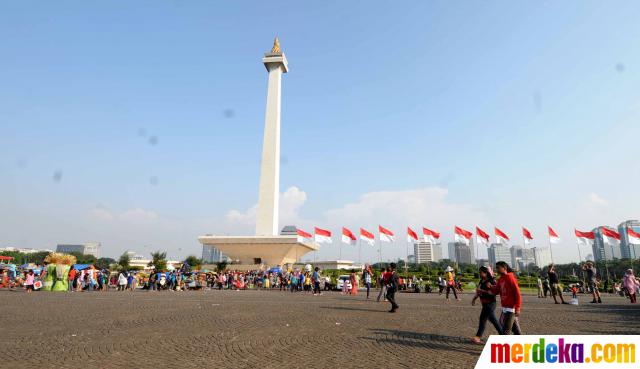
[604, 251]
[498, 252]
[87, 248]
[542, 256]
[521, 257]
[461, 253]
[628, 250]
[426, 252]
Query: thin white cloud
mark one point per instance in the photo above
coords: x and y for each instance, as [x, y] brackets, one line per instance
[597, 200]
[290, 203]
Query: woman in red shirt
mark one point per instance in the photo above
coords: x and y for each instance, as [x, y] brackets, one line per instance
[510, 299]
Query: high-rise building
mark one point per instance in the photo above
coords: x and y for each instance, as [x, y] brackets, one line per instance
[521, 257]
[542, 256]
[627, 249]
[461, 253]
[498, 252]
[426, 252]
[602, 250]
[87, 248]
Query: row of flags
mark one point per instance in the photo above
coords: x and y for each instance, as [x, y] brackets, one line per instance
[460, 235]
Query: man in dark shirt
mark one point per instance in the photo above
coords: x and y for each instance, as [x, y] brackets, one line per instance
[590, 270]
[392, 287]
[556, 290]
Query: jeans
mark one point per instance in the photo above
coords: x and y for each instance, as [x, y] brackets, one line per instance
[452, 288]
[488, 313]
[391, 296]
[368, 285]
[316, 287]
[69, 286]
[382, 293]
[509, 322]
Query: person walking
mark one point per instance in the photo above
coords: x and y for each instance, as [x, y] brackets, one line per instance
[450, 277]
[122, 281]
[71, 279]
[631, 284]
[540, 288]
[488, 301]
[510, 299]
[354, 282]
[441, 284]
[392, 287]
[556, 290]
[366, 277]
[592, 281]
[29, 280]
[316, 281]
[382, 283]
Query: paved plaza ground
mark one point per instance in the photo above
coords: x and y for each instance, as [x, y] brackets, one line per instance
[268, 329]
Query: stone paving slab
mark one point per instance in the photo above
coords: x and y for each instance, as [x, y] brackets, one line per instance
[268, 329]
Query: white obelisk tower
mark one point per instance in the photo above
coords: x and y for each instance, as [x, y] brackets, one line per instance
[267, 212]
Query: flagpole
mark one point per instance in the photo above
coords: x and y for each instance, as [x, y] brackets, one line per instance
[380, 251]
[579, 253]
[360, 251]
[550, 249]
[406, 264]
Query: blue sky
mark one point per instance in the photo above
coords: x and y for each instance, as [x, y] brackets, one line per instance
[139, 124]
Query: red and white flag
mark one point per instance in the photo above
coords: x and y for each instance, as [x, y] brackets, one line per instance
[634, 237]
[610, 237]
[367, 237]
[527, 236]
[303, 236]
[323, 236]
[501, 237]
[430, 236]
[462, 235]
[553, 236]
[584, 237]
[482, 238]
[411, 235]
[385, 234]
[348, 237]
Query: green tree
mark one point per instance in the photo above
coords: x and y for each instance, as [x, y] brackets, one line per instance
[123, 261]
[158, 260]
[104, 263]
[193, 261]
[83, 259]
[220, 266]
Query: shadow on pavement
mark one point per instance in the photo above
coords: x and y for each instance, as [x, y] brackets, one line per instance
[425, 340]
[353, 309]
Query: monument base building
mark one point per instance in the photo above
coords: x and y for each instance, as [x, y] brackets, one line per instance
[259, 250]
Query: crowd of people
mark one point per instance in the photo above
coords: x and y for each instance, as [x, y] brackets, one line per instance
[310, 280]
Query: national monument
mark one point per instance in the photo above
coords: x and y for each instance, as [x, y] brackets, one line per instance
[267, 247]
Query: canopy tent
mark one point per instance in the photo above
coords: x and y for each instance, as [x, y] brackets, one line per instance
[81, 266]
[275, 270]
[7, 258]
